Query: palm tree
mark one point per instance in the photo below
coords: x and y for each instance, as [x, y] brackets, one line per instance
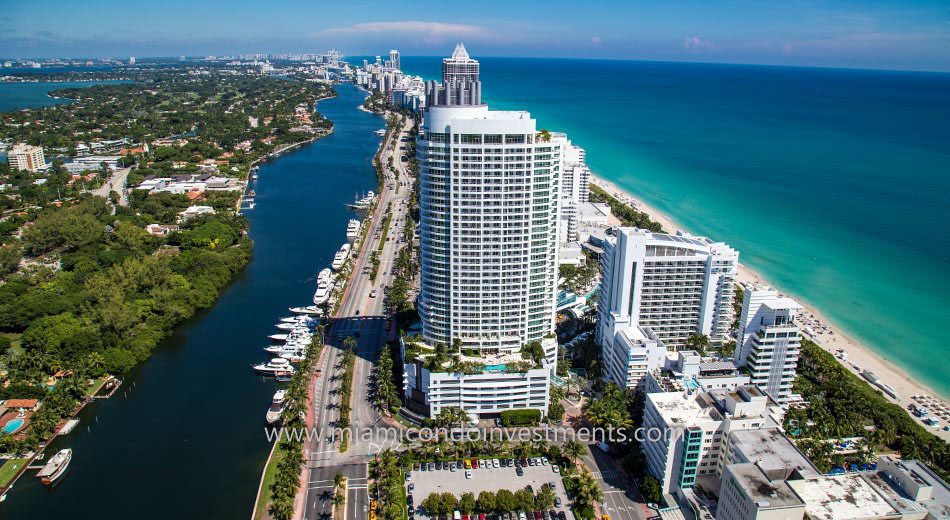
[574, 449]
[338, 479]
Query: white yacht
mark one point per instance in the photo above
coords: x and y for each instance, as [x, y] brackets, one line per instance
[274, 367]
[309, 309]
[282, 349]
[293, 357]
[276, 407]
[353, 230]
[364, 203]
[340, 257]
[324, 287]
[298, 325]
[56, 466]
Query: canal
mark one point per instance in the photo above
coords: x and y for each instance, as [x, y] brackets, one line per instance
[184, 436]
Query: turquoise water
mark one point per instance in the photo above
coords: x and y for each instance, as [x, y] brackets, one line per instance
[15, 96]
[13, 425]
[834, 184]
[495, 368]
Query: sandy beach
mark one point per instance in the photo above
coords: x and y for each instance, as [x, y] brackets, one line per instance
[828, 335]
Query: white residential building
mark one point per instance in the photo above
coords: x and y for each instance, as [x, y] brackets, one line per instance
[769, 341]
[675, 285]
[633, 353]
[26, 157]
[489, 204]
[691, 431]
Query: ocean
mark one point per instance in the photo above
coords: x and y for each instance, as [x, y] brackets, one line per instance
[17, 96]
[834, 184]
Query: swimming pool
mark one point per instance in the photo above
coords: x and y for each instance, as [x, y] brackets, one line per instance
[13, 425]
[495, 368]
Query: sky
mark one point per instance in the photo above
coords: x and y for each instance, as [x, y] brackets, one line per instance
[882, 34]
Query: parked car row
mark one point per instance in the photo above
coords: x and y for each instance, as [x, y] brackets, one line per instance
[475, 463]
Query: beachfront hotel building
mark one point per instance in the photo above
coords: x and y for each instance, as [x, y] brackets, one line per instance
[26, 157]
[489, 196]
[663, 287]
[769, 341]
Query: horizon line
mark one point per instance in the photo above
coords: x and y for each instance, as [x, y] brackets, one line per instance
[642, 60]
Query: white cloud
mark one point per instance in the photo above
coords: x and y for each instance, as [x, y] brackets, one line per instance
[697, 43]
[430, 32]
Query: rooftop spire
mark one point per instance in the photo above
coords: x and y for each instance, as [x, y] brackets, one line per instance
[460, 53]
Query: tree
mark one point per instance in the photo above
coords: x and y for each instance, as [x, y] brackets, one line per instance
[10, 255]
[467, 502]
[651, 489]
[486, 502]
[698, 342]
[505, 500]
[452, 415]
[524, 500]
[574, 448]
[545, 498]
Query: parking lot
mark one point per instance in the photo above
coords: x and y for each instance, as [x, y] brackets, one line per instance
[486, 479]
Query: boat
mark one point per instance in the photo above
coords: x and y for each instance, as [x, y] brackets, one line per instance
[278, 337]
[309, 309]
[56, 466]
[293, 357]
[282, 349]
[252, 194]
[381, 132]
[274, 367]
[276, 407]
[294, 326]
[353, 230]
[340, 257]
[363, 203]
[324, 287]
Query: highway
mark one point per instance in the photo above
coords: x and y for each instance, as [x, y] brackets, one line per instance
[363, 317]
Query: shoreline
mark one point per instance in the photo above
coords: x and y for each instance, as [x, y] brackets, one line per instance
[837, 337]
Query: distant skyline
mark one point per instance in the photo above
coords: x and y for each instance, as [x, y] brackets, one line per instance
[878, 34]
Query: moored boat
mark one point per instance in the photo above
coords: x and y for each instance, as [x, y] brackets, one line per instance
[309, 309]
[276, 407]
[55, 467]
[274, 367]
[340, 257]
[353, 230]
[324, 287]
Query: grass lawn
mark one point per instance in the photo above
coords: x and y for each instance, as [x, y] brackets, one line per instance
[260, 512]
[9, 469]
[94, 387]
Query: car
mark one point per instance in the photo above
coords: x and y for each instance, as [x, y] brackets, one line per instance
[409, 499]
[522, 516]
[520, 471]
[532, 462]
[431, 466]
[408, 477]
[524, 461]
[495, 463]
[423, 467]
[538, 515]
[530, 488]
[415, 466]
[605, 517]
[481, 516]
[468, 464]
[555, 468]
[452, 466]
[474, 463]
[468, 473]
[557, 501]
[552, 514]
[412, 487]
[544, 460]
[561, 515]
[465, 516]
[372, 294]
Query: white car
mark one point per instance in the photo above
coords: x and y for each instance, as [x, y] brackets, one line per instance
[555, 468]
[372, 294]
[468, 473]
[544, 460]
[495, 463]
